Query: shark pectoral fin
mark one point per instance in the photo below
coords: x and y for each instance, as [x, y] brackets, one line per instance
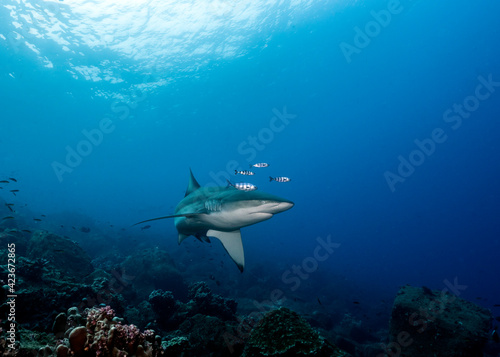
[165, 217]
[182, 237]
[233, 245]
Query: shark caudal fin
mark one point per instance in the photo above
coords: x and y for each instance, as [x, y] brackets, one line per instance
[233, 245]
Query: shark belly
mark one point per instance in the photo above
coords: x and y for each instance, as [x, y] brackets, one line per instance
[222, 221]
[230, 221]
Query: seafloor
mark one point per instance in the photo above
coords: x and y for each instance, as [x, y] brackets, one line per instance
[68, 301]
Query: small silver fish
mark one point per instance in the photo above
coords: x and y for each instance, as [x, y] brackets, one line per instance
[243, 186]
[260, 164]
[280, 179]
[244, 172]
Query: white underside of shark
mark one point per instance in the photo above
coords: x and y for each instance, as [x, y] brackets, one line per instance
[221, 212]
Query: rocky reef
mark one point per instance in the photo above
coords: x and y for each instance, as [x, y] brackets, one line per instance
[426, 322]
[49, 270]
[149, 270]
[141, 305]
[61, 253]
[170, 313]
[199, 327]
[283, 333]
[98, 331]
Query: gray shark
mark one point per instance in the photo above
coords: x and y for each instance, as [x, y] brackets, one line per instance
[221, 212]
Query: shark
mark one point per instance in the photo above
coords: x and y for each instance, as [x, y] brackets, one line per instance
[220, 212]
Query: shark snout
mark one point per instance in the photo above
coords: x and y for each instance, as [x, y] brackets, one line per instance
[278, 207]
[283, 206]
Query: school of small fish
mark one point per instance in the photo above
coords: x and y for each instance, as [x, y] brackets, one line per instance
[14, 191]
[9, 180]
[11, 206]
[245, 186]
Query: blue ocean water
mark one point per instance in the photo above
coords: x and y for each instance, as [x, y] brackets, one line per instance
[383, 113]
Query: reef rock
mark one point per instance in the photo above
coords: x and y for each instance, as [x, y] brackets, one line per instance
[33, 302]
[64, 254]
[152, 269]
[203, 301]
[169, 312]
[283, 333]
[31, 343]
[141, 315]
[433, 323]
[206, 335]
[163, 303]
[176, 346]
[18, 237]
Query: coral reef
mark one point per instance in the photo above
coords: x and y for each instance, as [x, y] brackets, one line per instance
[163, 303]
[104, 335]
[65, 307]
[63, 254]
[33, 270]
[283, 332]
[142, 315]
[205, 335]
[65, 321]
[176, 346]
[434, 323]
[35, 301]
[203, 301]
[50, 274]
[171, 313]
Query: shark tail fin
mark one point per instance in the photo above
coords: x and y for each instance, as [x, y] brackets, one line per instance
[233, 245]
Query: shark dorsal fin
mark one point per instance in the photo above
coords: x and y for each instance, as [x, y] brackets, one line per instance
[232, 243]
[193, 184]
